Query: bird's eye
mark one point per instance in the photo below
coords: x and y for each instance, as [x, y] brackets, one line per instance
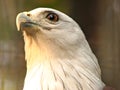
[52, 17]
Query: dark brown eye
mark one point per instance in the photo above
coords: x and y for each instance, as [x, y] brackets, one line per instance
[52, 17]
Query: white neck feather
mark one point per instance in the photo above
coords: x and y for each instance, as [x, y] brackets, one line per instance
[46, 71]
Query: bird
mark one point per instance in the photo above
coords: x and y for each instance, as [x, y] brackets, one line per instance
[57, 54]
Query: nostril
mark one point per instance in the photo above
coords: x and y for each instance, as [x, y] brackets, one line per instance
[28, 14]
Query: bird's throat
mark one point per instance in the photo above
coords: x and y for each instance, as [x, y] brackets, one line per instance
[35, 52]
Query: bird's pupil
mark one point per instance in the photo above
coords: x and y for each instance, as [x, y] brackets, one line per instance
[51, 17]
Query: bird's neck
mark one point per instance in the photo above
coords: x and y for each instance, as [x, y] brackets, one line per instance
[45, 70]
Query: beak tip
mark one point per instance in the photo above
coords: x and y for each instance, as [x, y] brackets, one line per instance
[18, 22]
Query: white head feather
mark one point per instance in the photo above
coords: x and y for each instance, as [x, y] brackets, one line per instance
[57, 53]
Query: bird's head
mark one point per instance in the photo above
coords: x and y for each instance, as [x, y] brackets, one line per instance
[51, 23]
[52, 31]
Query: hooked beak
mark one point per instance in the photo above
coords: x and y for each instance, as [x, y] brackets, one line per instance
[21, 18]
[24, 22]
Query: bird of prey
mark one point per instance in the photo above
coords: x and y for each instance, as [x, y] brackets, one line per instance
[57, 53]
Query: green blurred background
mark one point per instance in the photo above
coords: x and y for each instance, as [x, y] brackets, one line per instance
[99, 20]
